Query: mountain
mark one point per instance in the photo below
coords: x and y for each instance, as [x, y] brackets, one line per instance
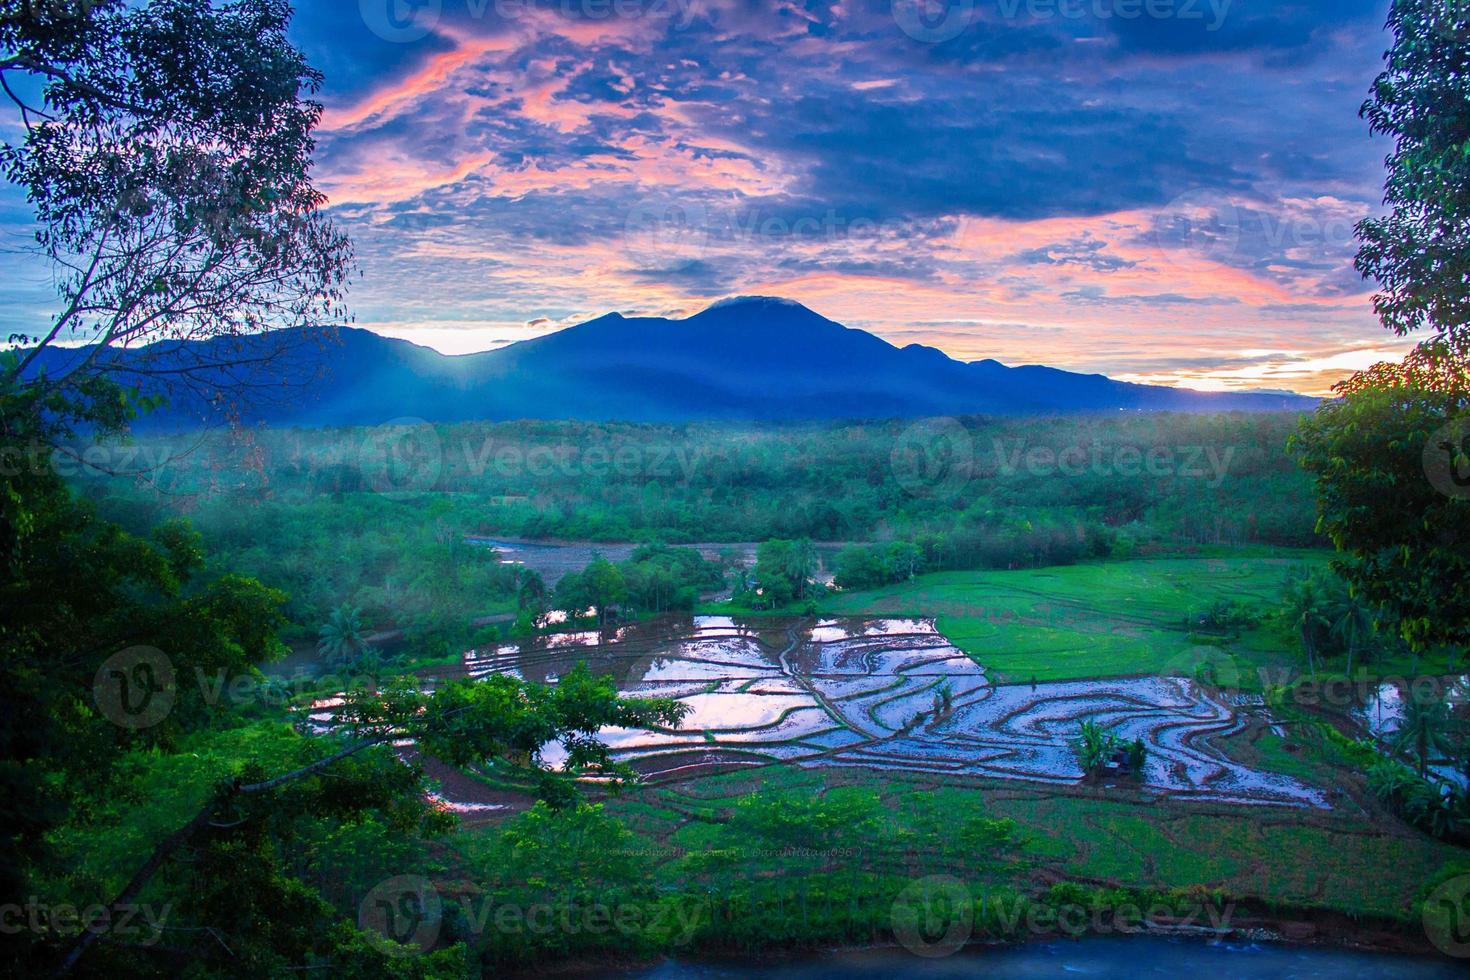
[744, 359]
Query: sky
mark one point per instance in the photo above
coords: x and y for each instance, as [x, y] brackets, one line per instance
[1158, 190]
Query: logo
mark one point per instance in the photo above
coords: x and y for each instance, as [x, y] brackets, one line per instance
[135, 688]
[665, 233]
[1447, 917]
[402, 459]
[1198, 226]
[1447, 459]
[934, 21]
[403, 915]
[934, 458]
[400, 21]
[934, 917]
[1205, 665]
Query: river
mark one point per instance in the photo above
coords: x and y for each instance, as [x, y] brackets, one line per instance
[1124, 958]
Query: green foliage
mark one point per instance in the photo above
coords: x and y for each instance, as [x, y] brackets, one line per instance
[1403, 539]
[782, 820]
[579, 848]
[564, 883]
[1137, 756]
[170, 182]
[660, 578]
[406, 564]
[1425, 732]
[501, 721]
[655, 579]
[869, 566]
[1417, 252]
[1095, 747]
[94, 801]
[1389, 456]
[784, 572]
[1439, 809]
[1229, 617]
[342, 638]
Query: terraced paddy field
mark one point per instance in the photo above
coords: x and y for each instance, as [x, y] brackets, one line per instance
[838, 760]
[892, 695]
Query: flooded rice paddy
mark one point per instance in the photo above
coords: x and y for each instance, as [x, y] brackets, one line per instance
[887, 695]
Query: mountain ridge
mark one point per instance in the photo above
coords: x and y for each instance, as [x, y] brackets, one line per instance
[742, 359]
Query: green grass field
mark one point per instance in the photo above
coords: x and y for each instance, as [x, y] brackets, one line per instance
[1265, 855]
[1116, 619]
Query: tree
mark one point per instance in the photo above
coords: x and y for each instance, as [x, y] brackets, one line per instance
[863, 566]
[772, 572]
[571, 595]
[858, 567]
[1390, 455]
[604, 586]
[1307, 614]
[943, 700]
[1353, 624]
[1385, 493]
[1424, 731]
[1137, 756]
[801, 566]
[1420, 251]
[733, 563]
[1095, 747]
[168, 162]
[903, 561]
[168, 165]
[784, 570]
[531, 594]
[342, 638]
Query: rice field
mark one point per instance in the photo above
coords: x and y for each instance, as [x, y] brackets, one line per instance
[890, 695]
[1113, 619]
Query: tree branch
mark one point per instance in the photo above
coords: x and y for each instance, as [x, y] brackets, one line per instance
[184, 834]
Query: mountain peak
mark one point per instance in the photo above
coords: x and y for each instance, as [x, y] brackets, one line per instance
[746, 302]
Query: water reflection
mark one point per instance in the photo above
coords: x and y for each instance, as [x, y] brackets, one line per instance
[1102, 958]
[890, 694]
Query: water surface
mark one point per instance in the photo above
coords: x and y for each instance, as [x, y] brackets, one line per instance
[1124, 958]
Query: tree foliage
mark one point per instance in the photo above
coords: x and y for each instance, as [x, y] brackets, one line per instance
[168, 162]
[1390, 455]
[1386, 457]
[1419, 252]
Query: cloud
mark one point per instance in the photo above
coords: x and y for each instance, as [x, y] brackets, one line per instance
[1088, 191]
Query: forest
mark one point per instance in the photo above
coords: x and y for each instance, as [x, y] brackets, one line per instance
[397, 508]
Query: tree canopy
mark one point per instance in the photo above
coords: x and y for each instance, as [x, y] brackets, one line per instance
[1391, 456]
[167, 158]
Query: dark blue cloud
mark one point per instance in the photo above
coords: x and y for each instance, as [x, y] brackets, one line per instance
[1087, 251]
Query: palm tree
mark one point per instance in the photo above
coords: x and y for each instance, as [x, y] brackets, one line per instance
[531, 593]
[1305, 611]
[1094, 747]
[802, 565]
[733, 563]
[1424, 731]
[343, 637]
[1353, 621]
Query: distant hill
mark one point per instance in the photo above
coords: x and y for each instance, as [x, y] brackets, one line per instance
[752, 359]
